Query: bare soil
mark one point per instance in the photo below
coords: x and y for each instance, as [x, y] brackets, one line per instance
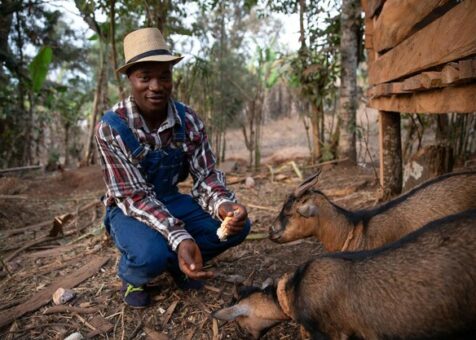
[175, 314]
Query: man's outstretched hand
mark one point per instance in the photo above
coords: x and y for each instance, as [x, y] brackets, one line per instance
[190, 261]
[239, 214]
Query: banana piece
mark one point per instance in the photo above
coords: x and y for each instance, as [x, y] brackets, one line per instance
[222, 232]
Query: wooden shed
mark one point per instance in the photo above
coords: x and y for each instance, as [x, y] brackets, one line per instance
[422, 59]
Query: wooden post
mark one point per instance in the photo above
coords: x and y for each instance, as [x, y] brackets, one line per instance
[391, 170]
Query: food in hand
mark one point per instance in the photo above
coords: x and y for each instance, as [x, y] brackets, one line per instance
[223, 231]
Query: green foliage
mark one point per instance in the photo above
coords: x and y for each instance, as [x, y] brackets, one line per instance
[39, 67]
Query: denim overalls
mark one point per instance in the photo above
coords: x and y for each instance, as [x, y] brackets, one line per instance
[145, 253]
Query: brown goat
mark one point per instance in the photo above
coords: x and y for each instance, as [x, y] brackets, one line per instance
[309, 212]
[420, 287]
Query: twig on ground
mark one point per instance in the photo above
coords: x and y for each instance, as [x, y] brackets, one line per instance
[70, 309]
[262, 207]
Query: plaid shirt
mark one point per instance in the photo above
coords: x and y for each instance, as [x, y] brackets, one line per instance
[126, 186]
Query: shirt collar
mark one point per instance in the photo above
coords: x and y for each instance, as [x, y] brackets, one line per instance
[137, 122]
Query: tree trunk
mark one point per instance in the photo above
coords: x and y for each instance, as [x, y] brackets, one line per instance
[66, 143]
[348, 88]
[302, 9]
[391, 170]
[445, 159]
[114, 50]
[257, 146]
[89, 151]
[316, 145]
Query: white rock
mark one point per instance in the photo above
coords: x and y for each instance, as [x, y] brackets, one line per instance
[249, 182]
[75, 336]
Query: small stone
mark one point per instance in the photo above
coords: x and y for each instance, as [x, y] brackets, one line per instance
[74, 336]
[249, 182]
[268, 282]
[61, 296]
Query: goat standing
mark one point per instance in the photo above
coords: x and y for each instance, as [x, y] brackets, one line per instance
[309, 212]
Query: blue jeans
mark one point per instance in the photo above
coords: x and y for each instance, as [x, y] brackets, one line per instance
[146, 253]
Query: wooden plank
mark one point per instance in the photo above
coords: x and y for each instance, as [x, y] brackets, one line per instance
[373, 6]
[386, 89]
[450, 73]
[369, 28]
[459, 99]
[467, 69]
[398, 19]
[391, 170]
[44, 296]
[364, 4]
[431, 80]
[413, 83]
[448, 38]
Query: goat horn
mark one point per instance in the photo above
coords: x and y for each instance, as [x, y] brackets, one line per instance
[308, 183]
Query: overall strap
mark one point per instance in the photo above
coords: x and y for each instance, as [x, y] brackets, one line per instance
[124, 131]
[179, 130]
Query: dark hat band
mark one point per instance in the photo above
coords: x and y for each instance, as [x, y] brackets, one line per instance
[149, 54]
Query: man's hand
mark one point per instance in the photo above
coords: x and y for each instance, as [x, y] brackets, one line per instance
[190, 261]
[239, 214]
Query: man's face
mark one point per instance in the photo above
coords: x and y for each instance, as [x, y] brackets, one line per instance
[151, 85]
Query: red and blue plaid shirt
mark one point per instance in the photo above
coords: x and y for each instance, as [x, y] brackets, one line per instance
[127, 188]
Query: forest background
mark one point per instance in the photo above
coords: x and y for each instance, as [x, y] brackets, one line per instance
[57, 78]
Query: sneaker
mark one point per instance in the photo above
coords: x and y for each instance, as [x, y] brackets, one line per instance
[185, 283]
[135, 297]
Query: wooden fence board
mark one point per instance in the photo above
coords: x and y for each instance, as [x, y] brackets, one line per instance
[373, 6]
[449, 99]
[467, 69]
[398, 18]
[448, 38]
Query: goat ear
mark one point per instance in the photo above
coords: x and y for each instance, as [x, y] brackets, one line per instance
[307, 210]
[231, 313]
[308, 183]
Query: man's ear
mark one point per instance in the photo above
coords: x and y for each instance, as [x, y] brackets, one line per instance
[231, 313]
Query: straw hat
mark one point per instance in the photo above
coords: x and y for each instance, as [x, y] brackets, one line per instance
[146, 44]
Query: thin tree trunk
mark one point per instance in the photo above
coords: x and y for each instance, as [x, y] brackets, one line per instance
[348, 90]
[258, 138]
[302, 9]
[316, 145]
[113, 45]
[96, 108]
[25, 118]
[66, 143]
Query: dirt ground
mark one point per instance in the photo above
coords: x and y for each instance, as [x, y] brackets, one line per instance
[32, 262]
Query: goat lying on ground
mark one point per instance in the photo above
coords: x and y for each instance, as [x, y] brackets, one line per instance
[422, 286]
[309, 212]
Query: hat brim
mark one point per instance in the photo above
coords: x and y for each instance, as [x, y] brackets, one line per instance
[157, 58]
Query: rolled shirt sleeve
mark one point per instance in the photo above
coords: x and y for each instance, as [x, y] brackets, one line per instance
[209, 187]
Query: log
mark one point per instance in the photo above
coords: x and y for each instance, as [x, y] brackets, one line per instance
[21, 168]
[446, 39]
[391, 171]
[459, 99]
[44, 296]
[397, 20]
